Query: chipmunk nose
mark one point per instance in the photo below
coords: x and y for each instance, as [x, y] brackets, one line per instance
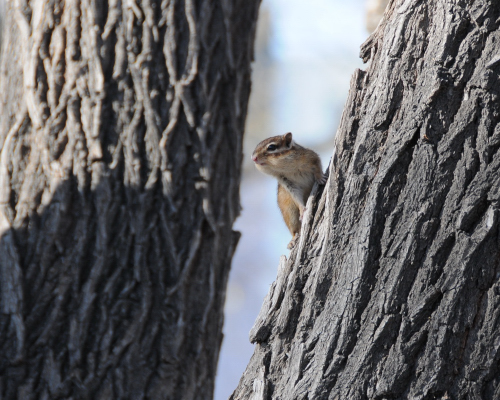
[254, 158]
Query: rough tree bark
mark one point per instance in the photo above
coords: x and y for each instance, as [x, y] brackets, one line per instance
[394, 289]
[121, 129]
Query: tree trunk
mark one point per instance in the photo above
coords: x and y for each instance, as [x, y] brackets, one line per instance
[394, 289]
[121, 128]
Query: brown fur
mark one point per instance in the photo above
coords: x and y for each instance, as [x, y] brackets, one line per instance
[289, 210]
[297, 169]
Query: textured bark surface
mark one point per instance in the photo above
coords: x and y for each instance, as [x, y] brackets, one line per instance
[394, 289]
[121, 128]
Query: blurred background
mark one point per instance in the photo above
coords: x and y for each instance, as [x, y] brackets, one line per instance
[305, 55]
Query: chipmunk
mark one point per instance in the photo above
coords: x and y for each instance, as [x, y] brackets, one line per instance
[296, 169]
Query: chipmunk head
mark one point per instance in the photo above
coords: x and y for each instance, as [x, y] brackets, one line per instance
[274, 154]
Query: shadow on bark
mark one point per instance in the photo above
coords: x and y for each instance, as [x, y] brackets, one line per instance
[109, 294]
[121, 132]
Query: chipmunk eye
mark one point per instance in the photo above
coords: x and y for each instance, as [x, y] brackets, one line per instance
[272, 147]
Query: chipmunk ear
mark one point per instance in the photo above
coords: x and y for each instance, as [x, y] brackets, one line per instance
[288, 139]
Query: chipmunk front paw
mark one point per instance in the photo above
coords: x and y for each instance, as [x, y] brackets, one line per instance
[322, 180]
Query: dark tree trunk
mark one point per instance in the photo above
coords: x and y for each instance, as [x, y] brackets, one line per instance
[121, 127]
[394, 289]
